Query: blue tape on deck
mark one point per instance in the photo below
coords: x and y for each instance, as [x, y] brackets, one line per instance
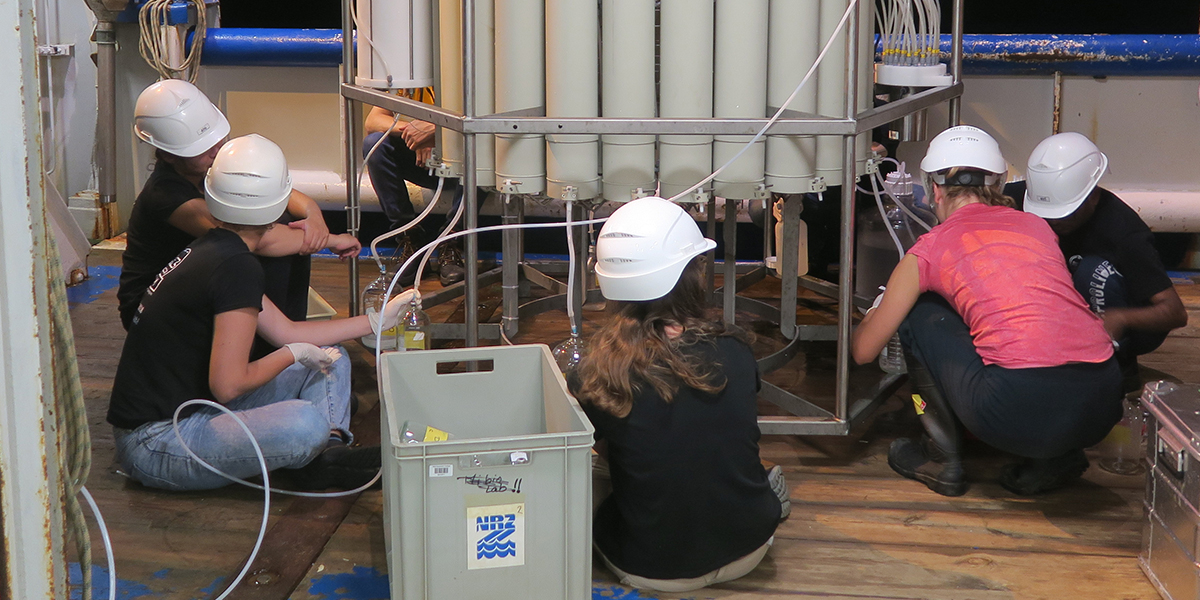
[100, 280]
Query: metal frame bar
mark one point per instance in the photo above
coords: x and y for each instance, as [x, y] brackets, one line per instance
[853, 123]
[613, 125]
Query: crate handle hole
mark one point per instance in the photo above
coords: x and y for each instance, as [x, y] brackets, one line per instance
[486, 365]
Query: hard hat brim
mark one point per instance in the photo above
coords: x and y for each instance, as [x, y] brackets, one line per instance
[642, 287]
[1047, 211]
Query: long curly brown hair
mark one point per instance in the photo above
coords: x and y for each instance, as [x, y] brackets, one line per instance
[632, 349]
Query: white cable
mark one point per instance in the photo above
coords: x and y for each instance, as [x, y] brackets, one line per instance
[427, 247]
[108, 549]
[887, 224]
[571, 268]
[262, 464]
[447, 229]
[904, 208]
[778, 113]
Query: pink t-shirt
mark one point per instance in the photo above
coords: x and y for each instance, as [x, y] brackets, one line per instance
[1002, 270]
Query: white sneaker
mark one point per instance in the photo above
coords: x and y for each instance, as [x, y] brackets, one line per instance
[780, 487]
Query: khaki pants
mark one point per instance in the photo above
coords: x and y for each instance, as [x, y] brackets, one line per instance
[729, 572]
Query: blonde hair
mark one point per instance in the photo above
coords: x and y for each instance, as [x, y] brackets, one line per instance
[991, 195]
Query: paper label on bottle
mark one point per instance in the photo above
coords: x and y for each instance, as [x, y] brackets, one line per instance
[414, 340]
[435, 435]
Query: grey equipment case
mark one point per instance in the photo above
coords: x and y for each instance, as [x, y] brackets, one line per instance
[1172, 530]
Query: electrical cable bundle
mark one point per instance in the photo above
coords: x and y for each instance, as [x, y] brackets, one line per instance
[154, 43]
[910, 31]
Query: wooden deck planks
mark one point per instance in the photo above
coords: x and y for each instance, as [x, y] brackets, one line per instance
[857, 530]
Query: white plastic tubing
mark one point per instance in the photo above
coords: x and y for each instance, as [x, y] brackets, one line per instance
[627, 71]
[520, 86]
[597, 58]
[794, 40]
[450, 84]
[572, 90]
[398, 48]
[740, 79]
[685, 91]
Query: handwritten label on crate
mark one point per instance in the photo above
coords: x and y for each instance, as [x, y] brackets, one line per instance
[496, 536]
[492, 483]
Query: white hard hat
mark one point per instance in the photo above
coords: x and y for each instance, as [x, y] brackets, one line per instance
[644, 247]
[1062, 171]
[248, 183]
[965, 147]
[175, 116]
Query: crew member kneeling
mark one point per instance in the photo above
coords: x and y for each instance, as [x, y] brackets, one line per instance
[671, 393]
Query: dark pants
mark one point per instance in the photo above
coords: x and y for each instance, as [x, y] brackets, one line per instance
[390, 166]
[1036, 413]
[1103, 287]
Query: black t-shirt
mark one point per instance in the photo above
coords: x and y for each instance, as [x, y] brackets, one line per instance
[689, 492]
[1116, 233]
[150, 241]
[166, 355]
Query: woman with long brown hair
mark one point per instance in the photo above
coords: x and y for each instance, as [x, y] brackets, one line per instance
[672, 393]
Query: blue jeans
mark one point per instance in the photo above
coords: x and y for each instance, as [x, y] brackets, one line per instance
[390, 166]
[291, 416]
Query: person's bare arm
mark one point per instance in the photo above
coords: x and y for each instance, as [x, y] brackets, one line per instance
[286, 241]
[878, 325]
[192, 217]
[310, 221]
[276, 328]
[230, 371]
[1165, 312]
[380, 119]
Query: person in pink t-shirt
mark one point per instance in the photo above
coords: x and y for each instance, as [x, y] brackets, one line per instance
[996, 338]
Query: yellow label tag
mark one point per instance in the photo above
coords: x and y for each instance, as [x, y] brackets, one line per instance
[389, 332]
[919, 404]
[435, 435]
[414, 340]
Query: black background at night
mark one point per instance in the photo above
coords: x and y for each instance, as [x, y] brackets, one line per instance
[994, 16]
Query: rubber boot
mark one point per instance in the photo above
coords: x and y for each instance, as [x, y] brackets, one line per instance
[936, 460]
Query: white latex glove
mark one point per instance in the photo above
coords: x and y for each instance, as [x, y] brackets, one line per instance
[392, 311]
[314, 357]
[878, 299]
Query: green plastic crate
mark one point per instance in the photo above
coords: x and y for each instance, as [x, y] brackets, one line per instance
[502, 510]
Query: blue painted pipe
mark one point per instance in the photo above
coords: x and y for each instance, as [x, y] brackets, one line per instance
[1087, 55]
[238, 47]
[1022, 54]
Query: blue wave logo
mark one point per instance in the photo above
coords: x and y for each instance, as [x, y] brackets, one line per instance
[496, 543]
[501, 550]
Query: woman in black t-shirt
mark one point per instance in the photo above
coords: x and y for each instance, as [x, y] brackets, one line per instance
[672, 396]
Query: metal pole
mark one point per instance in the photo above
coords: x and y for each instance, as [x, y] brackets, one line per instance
[106, 118]
[470, 189]
[349, 127]
[846, 260]
[729, 283]
[956, 60]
